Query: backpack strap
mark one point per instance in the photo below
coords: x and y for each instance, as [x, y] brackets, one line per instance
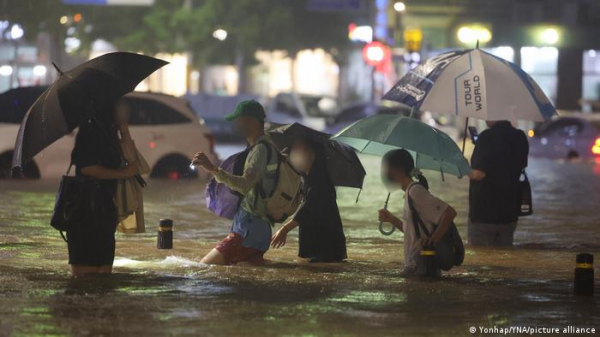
[259, 186]
[417, 220]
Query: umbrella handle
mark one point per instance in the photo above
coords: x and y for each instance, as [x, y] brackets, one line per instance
[381, 229]
[384, 232]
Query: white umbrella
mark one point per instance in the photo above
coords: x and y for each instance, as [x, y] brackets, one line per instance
[473, 84]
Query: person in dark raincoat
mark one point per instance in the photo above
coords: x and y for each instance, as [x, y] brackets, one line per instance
[97, 155]
[321, 235]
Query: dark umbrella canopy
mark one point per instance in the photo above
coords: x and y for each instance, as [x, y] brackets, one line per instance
[343, 164]
[69, 101]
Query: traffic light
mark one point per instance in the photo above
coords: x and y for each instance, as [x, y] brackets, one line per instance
[376, 54]
[412, 39]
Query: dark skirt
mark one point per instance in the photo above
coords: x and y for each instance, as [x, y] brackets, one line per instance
[93, 243]
[322, 242]
[321, 234]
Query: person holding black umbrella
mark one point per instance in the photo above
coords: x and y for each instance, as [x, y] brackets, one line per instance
[97, 155]
[321, 235]
[85, 97]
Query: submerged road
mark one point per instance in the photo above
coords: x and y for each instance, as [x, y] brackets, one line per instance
[160, 293]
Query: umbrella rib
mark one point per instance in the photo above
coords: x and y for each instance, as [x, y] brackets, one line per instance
[44, 105]
[365, 147]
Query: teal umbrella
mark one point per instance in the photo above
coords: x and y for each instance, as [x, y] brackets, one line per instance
[431, 148]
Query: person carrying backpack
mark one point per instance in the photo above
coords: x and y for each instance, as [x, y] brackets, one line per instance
[250, 234]
[434, 214]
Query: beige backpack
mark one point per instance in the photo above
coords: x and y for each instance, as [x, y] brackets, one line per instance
[288, 192]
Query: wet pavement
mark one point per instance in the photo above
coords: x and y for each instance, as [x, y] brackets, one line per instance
[162, 293]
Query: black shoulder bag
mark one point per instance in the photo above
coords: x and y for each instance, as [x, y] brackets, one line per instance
[76, 198]
[450, 250]
[74, 203]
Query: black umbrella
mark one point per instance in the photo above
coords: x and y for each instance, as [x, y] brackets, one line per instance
[343, 164]
[69, 101]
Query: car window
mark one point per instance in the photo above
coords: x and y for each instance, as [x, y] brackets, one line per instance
[565, 127]
[15, 103]
[382, 110]
[150, 112]
[351, 114]
[285, 104]
[596, 124]
[319, 106]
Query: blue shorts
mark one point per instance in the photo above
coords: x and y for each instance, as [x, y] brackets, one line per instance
[255, 231]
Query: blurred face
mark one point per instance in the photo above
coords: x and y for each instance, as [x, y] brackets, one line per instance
[302, 157]
[122, 112]
[246, 126]
[391, 175]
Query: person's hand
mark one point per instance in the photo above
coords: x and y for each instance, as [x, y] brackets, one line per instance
[477, 175]
[386, 216]
[279, 239]
[131, 170]
[428, 242]
[201, 159]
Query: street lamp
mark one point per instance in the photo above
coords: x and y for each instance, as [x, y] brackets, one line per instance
[16, 32]
[220, 34]
[550, 35]
[471, 34]
[39, 70]
[399, 6]
[6, 70]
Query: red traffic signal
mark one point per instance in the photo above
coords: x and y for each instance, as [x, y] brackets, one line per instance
[376, 54]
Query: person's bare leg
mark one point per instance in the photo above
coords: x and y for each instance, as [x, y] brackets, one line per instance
[105, 269]
[80, 270]
[214, 257]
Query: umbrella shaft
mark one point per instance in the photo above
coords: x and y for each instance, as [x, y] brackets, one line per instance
[465, 135]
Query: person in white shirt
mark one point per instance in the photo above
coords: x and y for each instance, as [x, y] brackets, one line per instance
[398, 168]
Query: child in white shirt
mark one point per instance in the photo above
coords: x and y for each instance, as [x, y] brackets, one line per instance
[399, 168]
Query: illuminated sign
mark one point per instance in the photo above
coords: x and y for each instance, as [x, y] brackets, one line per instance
[413, 38]
[472, 33]
[360, 33]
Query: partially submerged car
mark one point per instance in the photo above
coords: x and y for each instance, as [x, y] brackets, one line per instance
[165, 129]
[568, 136]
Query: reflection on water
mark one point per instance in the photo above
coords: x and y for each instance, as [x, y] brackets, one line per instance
[157, 292]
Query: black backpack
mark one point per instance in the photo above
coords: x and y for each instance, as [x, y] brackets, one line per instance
[450, 250]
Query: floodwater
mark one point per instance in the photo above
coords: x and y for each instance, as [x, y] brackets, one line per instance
[162, 293]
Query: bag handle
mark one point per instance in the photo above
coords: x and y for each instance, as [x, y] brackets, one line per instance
[70, 166]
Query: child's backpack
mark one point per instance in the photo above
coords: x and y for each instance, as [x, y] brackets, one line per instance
[220, 199]
[284, 199]
[288, 191]
[450, 250]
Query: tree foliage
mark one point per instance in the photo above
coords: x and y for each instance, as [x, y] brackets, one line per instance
[188, 25]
